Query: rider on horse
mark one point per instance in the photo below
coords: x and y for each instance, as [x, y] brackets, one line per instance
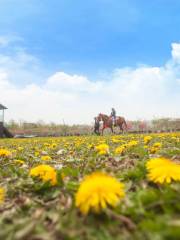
[113, 116]
[108, 122]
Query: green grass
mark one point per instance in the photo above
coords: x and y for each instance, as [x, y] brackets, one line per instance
[36, 210]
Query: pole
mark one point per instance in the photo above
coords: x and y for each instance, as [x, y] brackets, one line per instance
[65, 132]
[3, 117]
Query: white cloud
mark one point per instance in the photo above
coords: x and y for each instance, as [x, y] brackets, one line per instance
[142, 92]
[72, 83]
[176, 51]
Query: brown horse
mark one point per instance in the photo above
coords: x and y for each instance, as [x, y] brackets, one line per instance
[108, 122]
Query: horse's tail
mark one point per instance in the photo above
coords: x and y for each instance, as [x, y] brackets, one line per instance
[125, 124]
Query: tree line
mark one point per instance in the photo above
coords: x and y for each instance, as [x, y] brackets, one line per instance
[41, 128]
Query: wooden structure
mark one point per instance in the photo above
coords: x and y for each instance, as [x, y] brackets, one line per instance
[3, 131]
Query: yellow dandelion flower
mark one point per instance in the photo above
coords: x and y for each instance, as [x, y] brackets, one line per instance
[53, 146]
[120, 149]
[5, 153]
[20, 148]
[102, 149]
[90, 146]
[2, 195]
[36, 154]
[45, 172]
[147, 139]
[157, 145]
[132, 143]
[98, 191]
[46, 158]
[46, 144]
[18, 161]
[161, 170]
[115, 140]
[153, 150]
[102, 152]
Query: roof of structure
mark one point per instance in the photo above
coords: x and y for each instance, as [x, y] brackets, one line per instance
[2, 107]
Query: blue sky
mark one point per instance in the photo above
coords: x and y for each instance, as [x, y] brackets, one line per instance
[40, 38]
[93, 36]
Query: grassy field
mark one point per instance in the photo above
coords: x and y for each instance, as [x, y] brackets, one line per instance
[132, 192]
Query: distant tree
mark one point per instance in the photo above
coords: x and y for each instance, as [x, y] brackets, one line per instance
[12, 124]
[129, 125]
[142, 126]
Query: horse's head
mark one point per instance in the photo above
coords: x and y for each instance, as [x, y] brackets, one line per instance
[99, 117]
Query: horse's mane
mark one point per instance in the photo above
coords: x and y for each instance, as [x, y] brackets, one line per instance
[104, 115]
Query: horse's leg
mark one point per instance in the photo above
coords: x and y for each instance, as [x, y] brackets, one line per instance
[102, 130]
[121, 128]
[96, 131]
[125, 124]
[99, 131]
[110, 125]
